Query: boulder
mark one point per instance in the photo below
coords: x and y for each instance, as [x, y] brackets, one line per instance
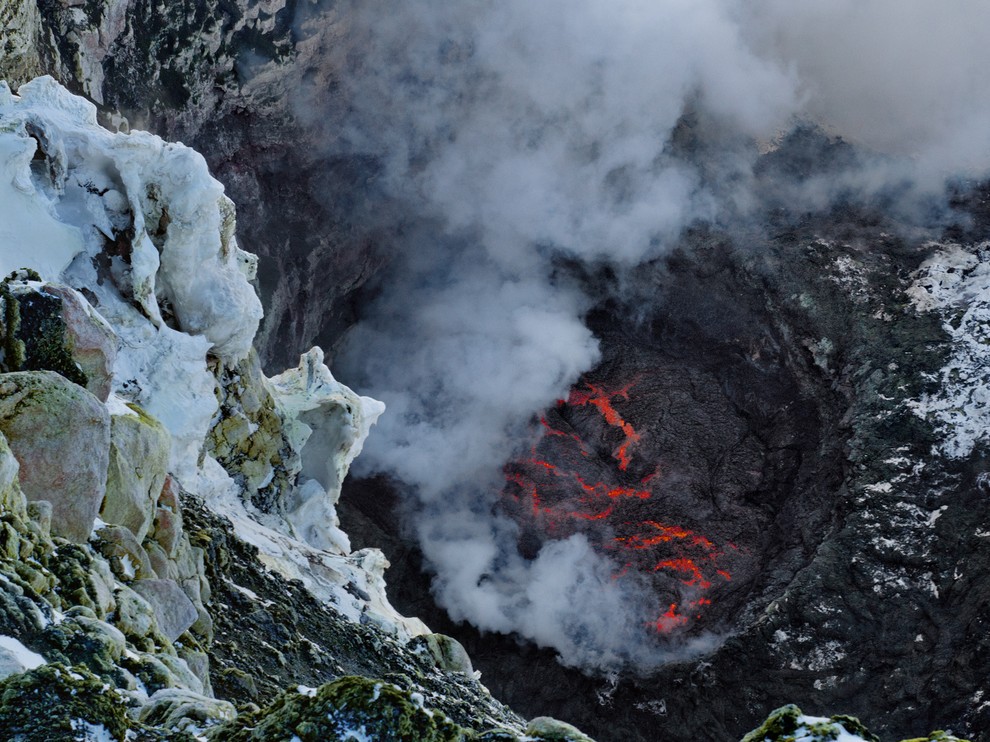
[127, 557]
[173, 609]
[60, 435]
[11, 497]
[182, 710]
[16, 658]
[139, 452]
[62, 332]
[547, 729]
[448, 653]
[135, 615]
[90, 339]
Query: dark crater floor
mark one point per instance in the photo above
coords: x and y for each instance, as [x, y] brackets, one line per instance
[705, 451]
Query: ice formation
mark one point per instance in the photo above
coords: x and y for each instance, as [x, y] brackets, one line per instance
[138, 226]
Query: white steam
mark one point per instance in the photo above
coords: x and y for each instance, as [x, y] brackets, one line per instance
[520, 131]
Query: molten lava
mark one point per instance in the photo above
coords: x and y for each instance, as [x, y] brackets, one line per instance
[579, 478]
[602, 399]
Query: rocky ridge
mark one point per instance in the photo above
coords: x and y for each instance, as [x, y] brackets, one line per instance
[133, 412]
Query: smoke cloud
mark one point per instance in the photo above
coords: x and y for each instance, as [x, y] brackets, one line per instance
[515, 133]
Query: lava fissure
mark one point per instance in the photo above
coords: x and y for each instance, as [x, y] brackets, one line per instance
[552, 495]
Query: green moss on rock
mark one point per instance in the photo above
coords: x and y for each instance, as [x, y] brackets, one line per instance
[788, 724]
[42, 332]
[375, 708]
[56, 702]
[546, 729]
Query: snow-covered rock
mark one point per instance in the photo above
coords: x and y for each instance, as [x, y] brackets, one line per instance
[326, 424]
[955, 283]
[129, 244]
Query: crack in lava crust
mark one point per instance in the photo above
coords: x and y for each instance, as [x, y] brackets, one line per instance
[584, 475]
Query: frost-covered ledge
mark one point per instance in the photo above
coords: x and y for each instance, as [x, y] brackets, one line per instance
[143, 238]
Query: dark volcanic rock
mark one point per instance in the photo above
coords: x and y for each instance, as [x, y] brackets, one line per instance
[270, 634]
[771, 383]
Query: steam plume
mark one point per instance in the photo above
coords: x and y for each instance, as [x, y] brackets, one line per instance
[515, 132]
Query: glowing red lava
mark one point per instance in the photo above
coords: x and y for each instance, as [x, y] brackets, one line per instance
[553, 488]
[602, 399]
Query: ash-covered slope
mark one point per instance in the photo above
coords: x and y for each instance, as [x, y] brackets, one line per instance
[169, 541]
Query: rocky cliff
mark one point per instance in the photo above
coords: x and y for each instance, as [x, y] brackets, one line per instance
[170, 545]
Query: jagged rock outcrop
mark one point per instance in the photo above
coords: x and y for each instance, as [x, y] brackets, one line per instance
[126, 602]
[788, 723]
[217, 77]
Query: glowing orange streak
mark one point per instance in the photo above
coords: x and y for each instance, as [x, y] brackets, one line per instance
[602, 400]
[628, 492]
[687, 566]
[600, 516]
[667, 534]
[670, 620]
[650, 477]
[553, 431]
[598, 488]
[530, 489]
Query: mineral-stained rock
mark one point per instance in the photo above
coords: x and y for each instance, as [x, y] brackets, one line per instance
[168, 518]
[173, 609]
[163, 566]
[92, 341]
[60, 435]
[11, 497]
[139, 451]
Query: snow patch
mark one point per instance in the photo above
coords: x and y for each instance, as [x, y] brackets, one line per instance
[807, 731]
[15, 657]
[955, 283]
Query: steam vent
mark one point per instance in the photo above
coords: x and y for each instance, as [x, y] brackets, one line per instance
[494, 371]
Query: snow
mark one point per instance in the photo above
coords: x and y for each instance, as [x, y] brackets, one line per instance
[127, 566]
[118, 407]
[350, 734]
[195, 265]
[86, 732]
[325, 574]
[182, 300]
[27, 221]
[327, 424]
[19, 654]
[955, 283]
[804, 734]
